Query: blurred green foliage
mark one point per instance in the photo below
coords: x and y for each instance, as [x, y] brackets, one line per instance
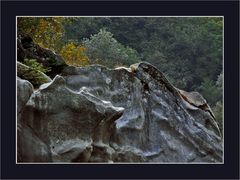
[34, 65]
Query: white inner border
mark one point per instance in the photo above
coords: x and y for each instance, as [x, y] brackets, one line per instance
[115, 163]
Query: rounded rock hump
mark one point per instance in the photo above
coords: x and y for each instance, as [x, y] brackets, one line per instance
[123, 68]
[147, 72]
[55, 83]
[193, 98]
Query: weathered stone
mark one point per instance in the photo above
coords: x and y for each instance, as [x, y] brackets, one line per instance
[70, 121]
[96, 114]
[155, 119]
[24, 91]
[30, 148]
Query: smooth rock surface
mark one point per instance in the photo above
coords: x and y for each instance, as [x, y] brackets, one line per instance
[30, 148]
[135, 114]
[24, 91]
[70, 122]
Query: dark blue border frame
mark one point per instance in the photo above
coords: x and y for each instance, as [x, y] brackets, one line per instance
[230, 11]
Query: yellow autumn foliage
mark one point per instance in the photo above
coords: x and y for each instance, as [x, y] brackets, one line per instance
[46, 31]
[74, 55]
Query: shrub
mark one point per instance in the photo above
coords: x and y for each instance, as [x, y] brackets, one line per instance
[32, 71]
[74, 55]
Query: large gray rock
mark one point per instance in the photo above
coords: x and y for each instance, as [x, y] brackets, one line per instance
[30, 148]
[74, 124]
[24, 91]
[96, 114]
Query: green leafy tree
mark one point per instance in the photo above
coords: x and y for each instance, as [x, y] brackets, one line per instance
[48, 33]
[210, 91]
[104, 49]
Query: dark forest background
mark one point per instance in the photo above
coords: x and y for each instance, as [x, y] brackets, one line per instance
[188, 50]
